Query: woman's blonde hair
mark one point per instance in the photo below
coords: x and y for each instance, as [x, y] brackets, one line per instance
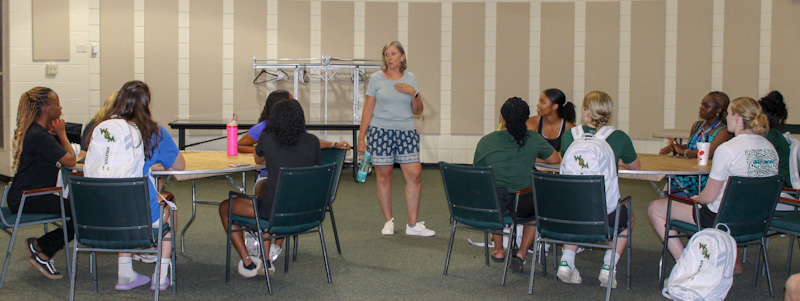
[99, 116]
[599, 105]
[30, 105]
[750, 111]
[396, 44]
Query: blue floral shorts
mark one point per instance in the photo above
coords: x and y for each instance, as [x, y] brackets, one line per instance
[392, 146]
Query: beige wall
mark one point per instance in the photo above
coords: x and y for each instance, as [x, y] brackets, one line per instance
[655, 58]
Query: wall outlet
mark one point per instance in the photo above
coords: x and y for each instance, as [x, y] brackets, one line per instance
[51, 69]
[81, 48]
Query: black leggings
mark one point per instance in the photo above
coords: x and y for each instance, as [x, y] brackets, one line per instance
[506, 199]
[52, 241]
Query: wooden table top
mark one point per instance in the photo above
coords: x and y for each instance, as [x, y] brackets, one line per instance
[655, 168]
[202, 164]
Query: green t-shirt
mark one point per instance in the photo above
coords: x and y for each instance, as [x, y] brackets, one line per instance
[619, 141]
[782, 147]
[511, 163]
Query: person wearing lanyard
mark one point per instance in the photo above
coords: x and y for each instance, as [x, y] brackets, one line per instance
[713, 112]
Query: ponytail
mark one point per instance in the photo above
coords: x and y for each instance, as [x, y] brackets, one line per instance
[567, 112]
[759, 124]
[750, 111]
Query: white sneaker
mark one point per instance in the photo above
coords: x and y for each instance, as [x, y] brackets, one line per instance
[146, 258]
[388, 228]
[274, 252]
[568, 274]
[604, 273]
[246, 273]
[419, 230]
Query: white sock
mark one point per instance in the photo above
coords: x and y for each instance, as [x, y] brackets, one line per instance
[607, 258]
[125, 273]
[569, 257]
[164, 270]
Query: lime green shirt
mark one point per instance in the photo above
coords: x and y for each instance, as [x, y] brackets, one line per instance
[619, 141]
[775, 137]
[511, 163]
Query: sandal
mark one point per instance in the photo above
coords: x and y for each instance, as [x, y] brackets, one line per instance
[517, 264]
[498, 252]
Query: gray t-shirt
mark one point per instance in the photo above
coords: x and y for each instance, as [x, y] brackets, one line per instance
[392, 108]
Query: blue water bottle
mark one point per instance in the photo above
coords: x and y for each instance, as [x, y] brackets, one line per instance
[363, 167]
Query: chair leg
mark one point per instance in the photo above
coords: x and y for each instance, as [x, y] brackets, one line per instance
[662, 264]
[486, 247]
[264, 259]
[613, 266]
[294, 254]
[554, 246]
[173, 257]
[335, 232]
[766, 265]
[93, 259]
[72, 272]
[324, 253]
[8, 256]
[228, 256]
[538, 248]
[158, 269]
[450, 248]
[509, 251]
[789, 255]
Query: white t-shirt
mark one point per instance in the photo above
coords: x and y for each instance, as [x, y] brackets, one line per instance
[746, 155]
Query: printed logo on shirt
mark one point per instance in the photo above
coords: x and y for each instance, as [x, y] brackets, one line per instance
[761, 162]
[107, 135]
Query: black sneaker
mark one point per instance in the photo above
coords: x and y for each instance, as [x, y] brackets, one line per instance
[31, 249]
[45, 267]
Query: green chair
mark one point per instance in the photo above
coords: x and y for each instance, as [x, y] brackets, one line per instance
[556, 198]
[787, 223]
[472, 200]
[746, 208]
[301, 199]
[14, 221]
[113, 215]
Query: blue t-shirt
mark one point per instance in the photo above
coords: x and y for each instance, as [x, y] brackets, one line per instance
[392, 108]
[166, 153]
[256, 130]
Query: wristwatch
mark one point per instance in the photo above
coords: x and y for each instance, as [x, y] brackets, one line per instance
[416, 95]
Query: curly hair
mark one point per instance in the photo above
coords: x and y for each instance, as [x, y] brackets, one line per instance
[515, 112]
[272, 98]
[30, 104]
[566, 110]
[773, 106]
[286, 122]
[133, 105]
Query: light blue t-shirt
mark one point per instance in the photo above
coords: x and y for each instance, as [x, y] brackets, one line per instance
[165, 153]
[256, 130]
[392, 108]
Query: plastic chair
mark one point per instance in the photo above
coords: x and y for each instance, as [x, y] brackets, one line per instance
[113, 215]
[747, 208]
[14, 221]
[556, 198]
[301, 198]
[472, 199]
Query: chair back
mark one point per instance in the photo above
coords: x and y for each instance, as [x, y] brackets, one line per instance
[334, 155]
[748, 204]
[571, 207]
[300, 198]
[472, 195]
[111, 213]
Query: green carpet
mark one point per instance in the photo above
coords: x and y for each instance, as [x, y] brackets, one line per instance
[372, 266]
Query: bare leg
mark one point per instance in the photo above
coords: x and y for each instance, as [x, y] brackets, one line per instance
[528, 235]
[793, 288]
[657, 210]
[241, 207]
[498, 244]
[384, 182]
[412, 172]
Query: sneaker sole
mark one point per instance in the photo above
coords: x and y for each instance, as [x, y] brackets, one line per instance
[43, 271]
[29, 247]
[144, 259]
[420, 234]
[387, 233]
[567, 279]
[604, 282]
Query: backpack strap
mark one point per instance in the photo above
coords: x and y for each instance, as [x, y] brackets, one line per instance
[577, 132]
[604, 132]
[794, 160]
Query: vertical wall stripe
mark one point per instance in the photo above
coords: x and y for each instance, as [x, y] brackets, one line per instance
[272, 28]
[314, 110]
[764, 58]
[717, 42]
[534, 60]
[94, 60]
[489, 63]
[670, 63]
[624, 63]
[227, 57]
[161, 53]
[338, 43]
[359, 22]
[184, 21]
[446, 79]
[402, 23]
[138, 40]
[294, 41]
[579, 55]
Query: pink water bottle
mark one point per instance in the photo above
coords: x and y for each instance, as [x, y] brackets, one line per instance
[233, 133]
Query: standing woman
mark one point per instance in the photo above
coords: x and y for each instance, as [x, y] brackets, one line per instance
[710, 129]
[554, 116]
[40, 142]
[392, 100]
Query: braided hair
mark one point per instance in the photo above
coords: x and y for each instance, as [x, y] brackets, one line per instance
[30, 104]
[515, 112]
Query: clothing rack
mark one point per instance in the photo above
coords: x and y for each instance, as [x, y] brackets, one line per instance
[325, 67]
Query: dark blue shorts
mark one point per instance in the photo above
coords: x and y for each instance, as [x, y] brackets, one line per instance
[392, 146]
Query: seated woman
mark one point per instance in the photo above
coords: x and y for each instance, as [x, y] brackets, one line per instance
[712, 112]
[284, 143]
[774, 108]
[597, 108]
[512, 153]
[133, 104]
[554, 116]
[40, 144]
[247, 143]
[748, 154]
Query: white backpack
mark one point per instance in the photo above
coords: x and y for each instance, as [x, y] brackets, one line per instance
[794, 160]
[591, 155]
[705, 269]
[115, 151]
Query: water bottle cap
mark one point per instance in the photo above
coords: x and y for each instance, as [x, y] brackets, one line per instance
[366, 155]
